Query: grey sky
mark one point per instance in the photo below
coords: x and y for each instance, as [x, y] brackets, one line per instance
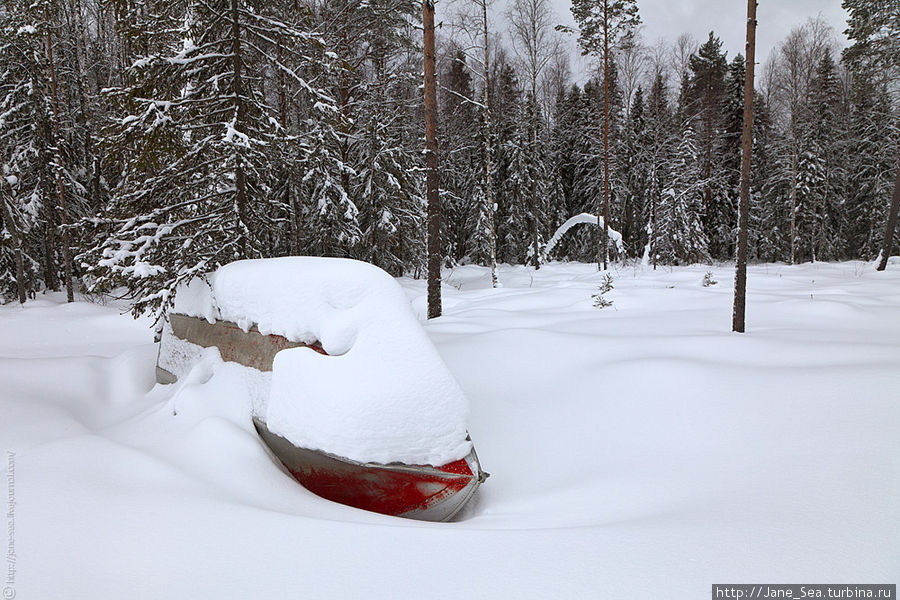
[670, 18]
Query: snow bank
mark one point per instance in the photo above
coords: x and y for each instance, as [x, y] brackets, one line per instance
[637, 453]
[383, 394]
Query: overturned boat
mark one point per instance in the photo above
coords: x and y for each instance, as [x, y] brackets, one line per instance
[423, 492]
[414, 491]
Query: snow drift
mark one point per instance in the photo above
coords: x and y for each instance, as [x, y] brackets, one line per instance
[382, 394]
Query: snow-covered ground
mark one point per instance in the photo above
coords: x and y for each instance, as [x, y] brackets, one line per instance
[642, 450]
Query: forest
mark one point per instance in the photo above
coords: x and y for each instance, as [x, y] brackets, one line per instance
[144, 142]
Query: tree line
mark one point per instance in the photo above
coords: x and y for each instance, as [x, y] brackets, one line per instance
[143, 142]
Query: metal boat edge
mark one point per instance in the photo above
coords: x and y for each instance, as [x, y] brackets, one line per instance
[445, 492]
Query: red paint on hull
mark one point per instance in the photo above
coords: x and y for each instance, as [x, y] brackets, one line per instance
[379, 490]
[414, 491]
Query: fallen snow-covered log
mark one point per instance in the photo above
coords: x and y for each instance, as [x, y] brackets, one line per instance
[586, 218]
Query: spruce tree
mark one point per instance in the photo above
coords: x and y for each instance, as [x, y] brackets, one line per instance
[681, 237]
[195, 191]
[875, 54]
[661, 140]
[705, 93]
[460, 141]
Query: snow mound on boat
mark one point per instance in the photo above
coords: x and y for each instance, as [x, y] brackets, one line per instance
[382, 395]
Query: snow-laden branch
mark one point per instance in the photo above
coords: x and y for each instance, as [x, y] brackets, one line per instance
[587, 218]
[465, 99]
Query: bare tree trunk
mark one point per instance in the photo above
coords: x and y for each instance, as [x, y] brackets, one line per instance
[240, 180]
[891, 224]
[604, 240]
[64, 232]
[707, 203]
[653, 247]
[793, 200]
[344, 101]
[488, 192]
[651, 238]
[17, 242]
[288, 197]
[431, 165]
[740, 278]
[534, 160]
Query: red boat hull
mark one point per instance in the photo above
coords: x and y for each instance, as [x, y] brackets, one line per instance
[413, 491]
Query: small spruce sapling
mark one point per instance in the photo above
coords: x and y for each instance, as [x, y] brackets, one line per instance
[606, 285]
[708, 279]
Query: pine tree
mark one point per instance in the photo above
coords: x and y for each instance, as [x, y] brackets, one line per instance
[602, 24]
[432, 177]
[740, 275]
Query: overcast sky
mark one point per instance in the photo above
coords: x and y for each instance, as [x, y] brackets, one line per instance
[670, 18]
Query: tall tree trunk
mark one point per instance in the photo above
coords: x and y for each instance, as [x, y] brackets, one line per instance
[286, 176]
[488, 191]
[740, 278]
[64, 219]
[237, 88]
[534, 160]
[793, 198]
[654, 234]
[707, 201]
[344, 102]
[891, 224]
[17, 243]
[604, 239]
[431, 165]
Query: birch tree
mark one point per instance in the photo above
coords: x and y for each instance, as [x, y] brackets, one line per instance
[531, 25]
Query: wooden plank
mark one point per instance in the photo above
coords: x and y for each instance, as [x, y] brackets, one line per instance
[249, 348]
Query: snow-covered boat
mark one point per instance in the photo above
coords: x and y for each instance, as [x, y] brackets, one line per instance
[421, 492]
[413, 491]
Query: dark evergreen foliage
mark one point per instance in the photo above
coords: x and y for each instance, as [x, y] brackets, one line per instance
[196, 133]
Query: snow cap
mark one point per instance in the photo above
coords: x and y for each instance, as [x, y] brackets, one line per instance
[383, 394]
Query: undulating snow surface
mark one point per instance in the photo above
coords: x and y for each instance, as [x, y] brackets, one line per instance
[383, 394]
[642, 450]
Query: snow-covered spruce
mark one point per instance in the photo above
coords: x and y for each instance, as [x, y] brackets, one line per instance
[382, 394]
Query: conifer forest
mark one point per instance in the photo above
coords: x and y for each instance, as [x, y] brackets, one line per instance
[143, 142]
